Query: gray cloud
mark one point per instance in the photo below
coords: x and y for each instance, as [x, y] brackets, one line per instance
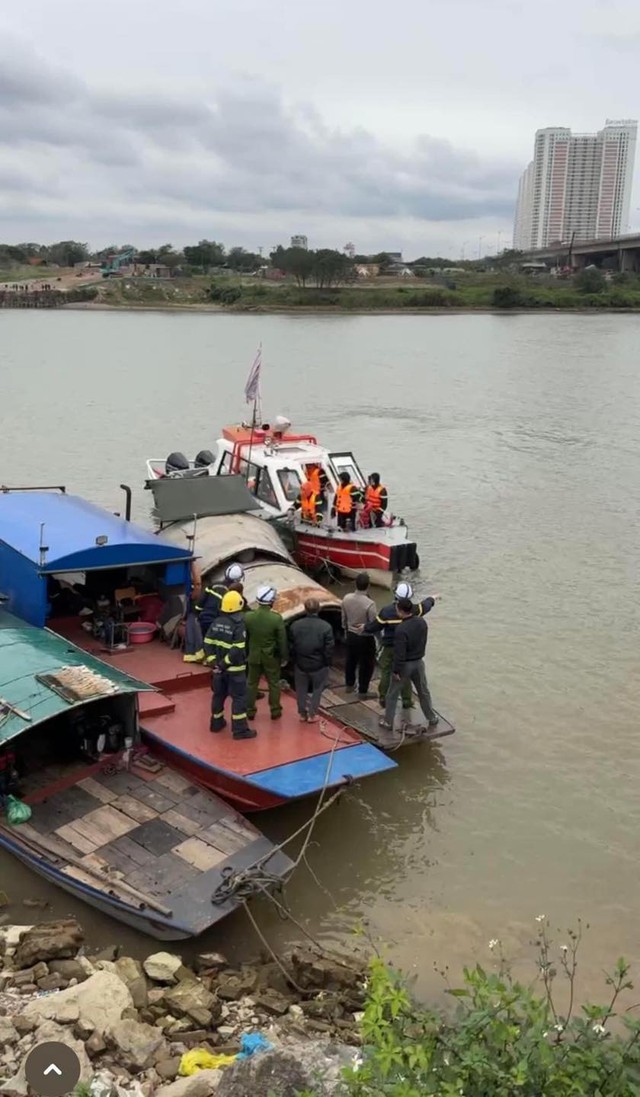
[242, 150]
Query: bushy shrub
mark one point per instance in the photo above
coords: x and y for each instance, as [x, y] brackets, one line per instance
[508, 297]
[504, 1038]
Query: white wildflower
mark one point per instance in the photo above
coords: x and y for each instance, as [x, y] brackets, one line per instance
[540, 917]
[599, 1030]
[493, 943]
[544, 1035]
[564, 948]
[356, 1062]
[446, 1060]
[559, 1028]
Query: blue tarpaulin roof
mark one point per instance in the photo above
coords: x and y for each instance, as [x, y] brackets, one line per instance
[26, 653]
[71, 527]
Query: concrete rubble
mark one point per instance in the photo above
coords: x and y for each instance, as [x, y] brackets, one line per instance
[133, 1021]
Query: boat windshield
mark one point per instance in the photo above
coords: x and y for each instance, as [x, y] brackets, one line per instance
[291, 483]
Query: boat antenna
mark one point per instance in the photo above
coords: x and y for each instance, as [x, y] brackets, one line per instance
[43, 548]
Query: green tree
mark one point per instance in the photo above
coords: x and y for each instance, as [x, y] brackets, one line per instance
[330, 268]
[205, 255]
[298, 262]
[590, 280]
[241, 260]
[67, 253]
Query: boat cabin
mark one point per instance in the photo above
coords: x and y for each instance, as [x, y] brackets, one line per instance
[275, 462]
[64, 559]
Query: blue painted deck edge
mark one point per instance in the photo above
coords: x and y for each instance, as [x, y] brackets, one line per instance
[296, 779]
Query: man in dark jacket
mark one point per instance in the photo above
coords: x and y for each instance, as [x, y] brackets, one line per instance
[225, 647]
[386, 622]
[409, 647]
[209, 602]
[312, 644]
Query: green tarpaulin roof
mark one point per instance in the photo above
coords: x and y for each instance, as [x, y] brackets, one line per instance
[27, 653]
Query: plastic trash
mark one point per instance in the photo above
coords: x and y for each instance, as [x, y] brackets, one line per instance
[251, 1043]
[199, 1059]
[16, 811]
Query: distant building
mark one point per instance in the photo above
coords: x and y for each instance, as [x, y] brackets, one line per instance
[577, 183]
[300, 242]
[149, 270]
[349, 250]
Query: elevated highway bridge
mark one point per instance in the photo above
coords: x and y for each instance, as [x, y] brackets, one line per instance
[621, 252]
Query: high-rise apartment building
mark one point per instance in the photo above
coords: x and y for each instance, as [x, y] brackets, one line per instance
[299, 242]
[577, 183]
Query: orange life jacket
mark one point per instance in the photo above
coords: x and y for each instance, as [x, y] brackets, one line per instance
[313, 474]
[344, 499]
[309, 508]
[373, 497]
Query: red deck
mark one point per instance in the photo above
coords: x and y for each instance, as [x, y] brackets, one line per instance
[176, 722]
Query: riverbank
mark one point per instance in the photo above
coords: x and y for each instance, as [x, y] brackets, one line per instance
[474, 293]
[159, 1027]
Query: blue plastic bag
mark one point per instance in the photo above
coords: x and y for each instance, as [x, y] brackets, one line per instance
[251, 1043]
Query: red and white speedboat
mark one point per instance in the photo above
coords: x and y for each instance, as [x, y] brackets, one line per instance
[275, 463]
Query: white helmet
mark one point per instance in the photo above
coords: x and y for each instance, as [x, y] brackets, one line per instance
[403, 590]
[234, 573]
[266, 596]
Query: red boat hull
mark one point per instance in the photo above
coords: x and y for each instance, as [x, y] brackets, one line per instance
[355, 554]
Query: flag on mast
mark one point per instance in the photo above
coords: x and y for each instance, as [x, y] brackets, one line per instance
[252, 387]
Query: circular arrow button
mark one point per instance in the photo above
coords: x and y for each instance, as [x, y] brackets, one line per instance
[52, 1069]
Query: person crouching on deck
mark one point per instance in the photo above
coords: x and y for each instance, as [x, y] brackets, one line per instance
[225, 648]
[210, 600]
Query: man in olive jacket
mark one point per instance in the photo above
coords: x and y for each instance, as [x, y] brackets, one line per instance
[268, 651]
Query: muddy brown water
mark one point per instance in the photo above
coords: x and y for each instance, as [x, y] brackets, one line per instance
[511, 444]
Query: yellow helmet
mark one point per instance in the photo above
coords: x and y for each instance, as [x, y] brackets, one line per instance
[232, 602]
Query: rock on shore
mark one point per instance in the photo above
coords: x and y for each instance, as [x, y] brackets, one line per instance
[132, 1022]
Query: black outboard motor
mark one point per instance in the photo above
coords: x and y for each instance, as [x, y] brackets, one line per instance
[204, 459]
[175, 464]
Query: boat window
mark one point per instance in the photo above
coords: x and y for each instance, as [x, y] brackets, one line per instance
[265, 490]
[250, 472]
[291, 483]
[225, 465]
[346, 462]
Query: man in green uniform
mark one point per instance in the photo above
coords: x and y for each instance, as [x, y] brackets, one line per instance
[268, 650]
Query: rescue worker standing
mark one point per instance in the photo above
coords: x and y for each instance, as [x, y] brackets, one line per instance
[376, 500]
[311, 502]
[344, 508]
[209, 602]
[386, 622]
[268, 651]
[225, 648]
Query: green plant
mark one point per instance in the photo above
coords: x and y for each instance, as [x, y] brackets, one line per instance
[504, 1038]
[508, 297]
[590, 280]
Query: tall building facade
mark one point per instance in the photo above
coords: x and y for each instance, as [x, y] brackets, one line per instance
[577, 183]
[299, 242]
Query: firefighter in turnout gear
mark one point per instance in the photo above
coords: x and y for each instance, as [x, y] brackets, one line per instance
[225, 648]
[268, 651]
[208, 605]
[347, 496]
[386, 622]
[376, 501]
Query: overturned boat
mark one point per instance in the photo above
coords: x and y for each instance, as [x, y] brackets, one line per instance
[275, 462]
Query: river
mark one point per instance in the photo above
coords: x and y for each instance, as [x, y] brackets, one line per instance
[511, 444]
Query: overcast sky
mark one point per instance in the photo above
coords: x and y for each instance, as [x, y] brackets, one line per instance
[398, 125]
